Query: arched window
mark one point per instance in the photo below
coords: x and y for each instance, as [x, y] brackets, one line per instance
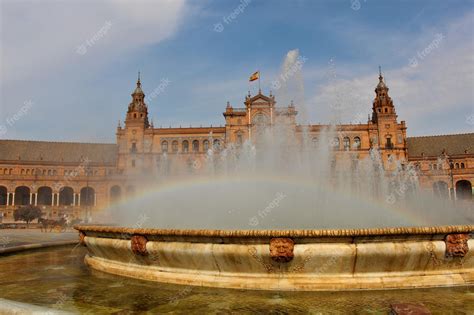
[87, 196]
[66, 196]
[205, 145]
[22, 196]
[357, 143]
[457, 165]
[185, 146]
[217, 145]
[3, 196]
[347, 143]
[464, 190]
[174, 146]
[164, 146]
[195, 146]
[45, 196]
[335, 143]
[462, 165]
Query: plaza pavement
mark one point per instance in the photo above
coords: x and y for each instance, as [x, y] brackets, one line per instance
[12, 240]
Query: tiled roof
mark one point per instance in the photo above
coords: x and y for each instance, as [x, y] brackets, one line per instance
[434, 145]
[66, 152]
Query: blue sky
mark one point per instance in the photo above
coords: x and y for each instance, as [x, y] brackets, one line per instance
[425, 49]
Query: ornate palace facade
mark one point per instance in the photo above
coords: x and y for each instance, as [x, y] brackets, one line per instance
[71, 177]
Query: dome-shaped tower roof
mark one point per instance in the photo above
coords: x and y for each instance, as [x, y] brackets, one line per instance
[138, 89]
[381, 86]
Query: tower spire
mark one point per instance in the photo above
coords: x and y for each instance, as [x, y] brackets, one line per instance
[382, 104]
[138, 81]
[380, 74]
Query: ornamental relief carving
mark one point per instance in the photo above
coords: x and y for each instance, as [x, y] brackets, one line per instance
[281, 249]
[139, 245]
[456, 245]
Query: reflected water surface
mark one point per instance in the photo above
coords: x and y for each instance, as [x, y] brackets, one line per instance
[57, 278]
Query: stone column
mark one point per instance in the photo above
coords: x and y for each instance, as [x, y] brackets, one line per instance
[57, 199]
[95, 199]
[79, 199]
[52, 199]
[31, 198]
[36, 199]
[8, 198]
[13, 200]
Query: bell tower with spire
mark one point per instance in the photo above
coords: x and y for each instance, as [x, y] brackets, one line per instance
[382, 108]
[386, 133]
[137, 114]
[132, 138]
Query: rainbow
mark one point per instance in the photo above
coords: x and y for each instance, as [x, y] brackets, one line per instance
[189, 183]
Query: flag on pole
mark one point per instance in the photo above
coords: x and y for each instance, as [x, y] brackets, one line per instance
[255, 76]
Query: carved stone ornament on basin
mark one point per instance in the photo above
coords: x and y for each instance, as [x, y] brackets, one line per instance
[281, 249]
[138, 245]
[287, 260]
[457, 245]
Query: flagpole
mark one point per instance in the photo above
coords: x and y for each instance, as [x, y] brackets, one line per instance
[259, 74]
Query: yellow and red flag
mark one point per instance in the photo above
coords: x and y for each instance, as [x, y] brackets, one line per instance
[255, 76]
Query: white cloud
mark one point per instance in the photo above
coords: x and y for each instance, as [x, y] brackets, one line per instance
[41, 37]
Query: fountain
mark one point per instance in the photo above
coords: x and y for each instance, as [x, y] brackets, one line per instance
[274, 217]
[285, 214]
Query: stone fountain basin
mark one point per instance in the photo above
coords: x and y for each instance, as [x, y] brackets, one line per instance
[384, 258]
